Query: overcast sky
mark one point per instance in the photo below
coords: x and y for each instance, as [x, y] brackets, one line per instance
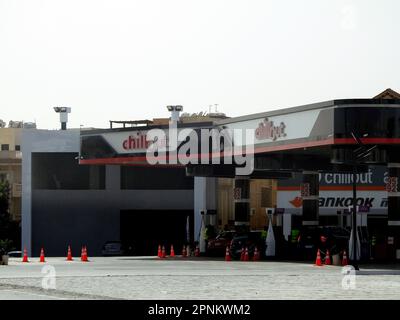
[127, 59]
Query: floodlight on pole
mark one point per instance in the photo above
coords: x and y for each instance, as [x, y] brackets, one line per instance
[63, 111]
[175, 110]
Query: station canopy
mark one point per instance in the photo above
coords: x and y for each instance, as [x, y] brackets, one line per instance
[327, 136]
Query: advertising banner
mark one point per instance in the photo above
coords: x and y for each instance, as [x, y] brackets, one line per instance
[335, 192]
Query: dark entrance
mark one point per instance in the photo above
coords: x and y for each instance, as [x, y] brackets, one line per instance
[146, 229]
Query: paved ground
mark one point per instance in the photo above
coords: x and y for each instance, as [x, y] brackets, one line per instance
[152, 278]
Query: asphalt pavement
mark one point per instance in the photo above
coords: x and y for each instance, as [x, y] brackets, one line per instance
[192, 278]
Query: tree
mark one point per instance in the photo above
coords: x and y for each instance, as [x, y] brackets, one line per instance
[9, 230]
[4, 203]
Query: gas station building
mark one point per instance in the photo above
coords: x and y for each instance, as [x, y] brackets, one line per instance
[100, 186]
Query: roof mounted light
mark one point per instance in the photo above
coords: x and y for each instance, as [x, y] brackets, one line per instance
[175, 110]
[63, 111]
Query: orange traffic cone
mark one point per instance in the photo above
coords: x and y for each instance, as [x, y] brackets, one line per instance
[242, 255]
[163, 254]
[159, 253]
[246, 255]
[227, 255]
[345, 262]
[328, 258]
[184, 253]
[25, 257]
[197, 251]
[84, 254]
[69, 254]
[42, 255]
[318, 261]
[172, 253]
[256, 256]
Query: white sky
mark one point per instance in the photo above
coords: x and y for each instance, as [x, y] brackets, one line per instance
[128, 59]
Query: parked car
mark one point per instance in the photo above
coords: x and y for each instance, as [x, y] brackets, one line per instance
[217, 246]
[333, 238]
[249, 240]
[15, 254]
[113, 248]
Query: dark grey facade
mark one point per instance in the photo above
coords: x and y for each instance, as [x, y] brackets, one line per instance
[69, 204]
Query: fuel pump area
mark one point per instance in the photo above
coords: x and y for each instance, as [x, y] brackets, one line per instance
[304, 161]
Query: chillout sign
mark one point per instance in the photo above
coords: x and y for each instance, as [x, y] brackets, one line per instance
[137, 141]
[267, 130]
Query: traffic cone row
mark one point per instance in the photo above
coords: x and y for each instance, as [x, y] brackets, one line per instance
[42, 258]
[185, 252]
[328, 261]
[244, 254]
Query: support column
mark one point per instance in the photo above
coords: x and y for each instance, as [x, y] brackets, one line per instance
[200, 205]
[393, 192]
[241, 195]
[310, 196]
[205, 203]
[113, 178]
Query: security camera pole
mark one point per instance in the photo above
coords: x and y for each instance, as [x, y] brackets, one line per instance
[63, 111]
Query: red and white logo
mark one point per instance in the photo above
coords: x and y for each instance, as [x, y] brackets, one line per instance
[267, 130]
[296, 202]
[136, 141]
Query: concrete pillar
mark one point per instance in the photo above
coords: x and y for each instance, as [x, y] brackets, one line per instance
[26, 200]
[205, 199]
[310, 196]
[113, 177]
[199, 204]
[241, 195]
[393, 192]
